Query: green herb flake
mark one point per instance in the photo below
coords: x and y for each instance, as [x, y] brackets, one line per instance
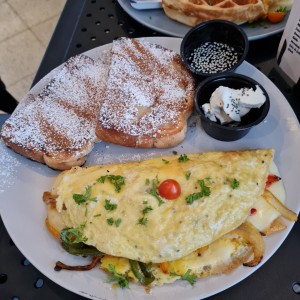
[82, 198]
[205, 192]
[234, 183]
[174, 152]
[118, 222]
[147, 181]
[188, 175]
[165, 161]
[110, 206]
[153, 191]
[191, 278]
[123, 281]
[116, 180]
[183, 158]
[143, 221]
[147, 209]
[75, 235]
[110, 221]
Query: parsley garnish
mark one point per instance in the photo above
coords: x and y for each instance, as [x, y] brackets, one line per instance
[111, 222]
[118, 222]
[82, 198]
[116, 180]
[174, 152]
[122, 280]
[191, 278]
[188, 175]
[205, 191]
[110, 206]
[234, 183]
[183, 158]
[147, 209]
[147, 181]
[75, 235]
[165, 161]
[143, 221]
[153, 191]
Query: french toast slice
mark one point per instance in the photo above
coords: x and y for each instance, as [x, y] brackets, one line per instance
[148, 97]
[57, 125]
[193, 12]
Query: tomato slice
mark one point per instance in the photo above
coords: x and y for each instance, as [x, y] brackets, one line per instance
[169, 189]
[271, 179]
[276, 16]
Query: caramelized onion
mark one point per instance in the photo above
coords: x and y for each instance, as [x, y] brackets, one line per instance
[282, 209]
[254, 238]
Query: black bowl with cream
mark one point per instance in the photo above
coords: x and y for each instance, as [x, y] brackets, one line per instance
[214, 47]
[230, 105]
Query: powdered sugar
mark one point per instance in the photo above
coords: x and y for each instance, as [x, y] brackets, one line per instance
[144, 89]
[8, 168]
[63, 116]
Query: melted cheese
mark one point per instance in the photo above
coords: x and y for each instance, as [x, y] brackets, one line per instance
[265, 214]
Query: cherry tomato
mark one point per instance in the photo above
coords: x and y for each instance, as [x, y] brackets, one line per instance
[271, 179]
[169, 189]
[276, 16]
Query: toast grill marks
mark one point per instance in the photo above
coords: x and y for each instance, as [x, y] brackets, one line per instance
[58, 125]
[193, 12]
[148, 95]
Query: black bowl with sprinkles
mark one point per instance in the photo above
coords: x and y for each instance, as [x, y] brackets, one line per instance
[231, 131]
[214, 47]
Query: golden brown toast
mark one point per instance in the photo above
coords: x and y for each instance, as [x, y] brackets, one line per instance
[57, 126]
[193, 12]
[148, 98]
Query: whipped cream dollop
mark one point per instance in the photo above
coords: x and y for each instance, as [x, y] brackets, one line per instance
[228, 105]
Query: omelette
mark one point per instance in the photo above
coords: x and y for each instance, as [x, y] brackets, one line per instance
[165, 218]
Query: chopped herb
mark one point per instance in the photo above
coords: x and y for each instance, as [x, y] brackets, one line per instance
[147, 181]
[75, 235]
[118, 222]
[143, 221]
[153, 191]
[188, 175]
[234, 183]
[165, 161]
[145, 202]
[147, 209]
[82, 198]
[282, 9]
[122, 280]
[110, 206]
[98, 215]
[174, 152]
[110, 221]
[183, 158]
[191, 278]
[205, 191]
[193, 197]
[115, 180]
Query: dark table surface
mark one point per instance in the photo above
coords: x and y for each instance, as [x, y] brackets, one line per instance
[84, 25]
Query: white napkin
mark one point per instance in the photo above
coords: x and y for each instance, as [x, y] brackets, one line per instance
[288, 55]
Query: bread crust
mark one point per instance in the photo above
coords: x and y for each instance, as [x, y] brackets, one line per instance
[148, 99]
[57, 126]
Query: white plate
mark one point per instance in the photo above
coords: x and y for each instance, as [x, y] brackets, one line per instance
[157, 20]
[22, 183]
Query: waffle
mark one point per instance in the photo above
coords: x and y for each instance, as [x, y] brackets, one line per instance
[193, 12]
